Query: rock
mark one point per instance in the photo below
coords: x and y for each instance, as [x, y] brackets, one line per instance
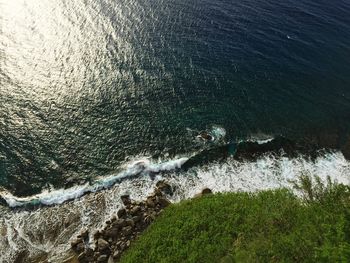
[82, 258]
[78, 245]
[102, 258]
[116, 254]
[206, 191]
[127, 230]
[126, 199]
[119, 243]
[162, 201]
[136, 219]
[89, 252]
[150, 217]
[135, 210]
[129, 222]
[121, 213]
[111, 232]
[136, 203]
[102, 244]
[158, 192]
[150, 202]
[164, 187]
[84, 234]
[21, 256]
[76, 242]
[97, 234]
[118, 232]
[119, 223]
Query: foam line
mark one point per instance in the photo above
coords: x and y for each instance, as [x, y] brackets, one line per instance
[137, 168]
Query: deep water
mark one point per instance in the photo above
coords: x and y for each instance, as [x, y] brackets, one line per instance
[85, 85]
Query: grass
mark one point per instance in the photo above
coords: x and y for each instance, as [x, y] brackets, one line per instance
[269, 226]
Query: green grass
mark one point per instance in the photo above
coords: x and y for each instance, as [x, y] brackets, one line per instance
[269, 226]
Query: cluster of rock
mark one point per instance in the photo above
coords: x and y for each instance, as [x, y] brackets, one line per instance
[119, 231]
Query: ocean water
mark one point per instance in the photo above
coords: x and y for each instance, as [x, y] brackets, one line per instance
[98, 98]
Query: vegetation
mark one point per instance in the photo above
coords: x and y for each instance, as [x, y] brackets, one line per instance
[269, 226]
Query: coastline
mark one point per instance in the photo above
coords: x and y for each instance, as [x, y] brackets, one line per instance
[56, 225]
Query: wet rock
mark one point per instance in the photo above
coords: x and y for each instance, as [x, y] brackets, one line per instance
[102, 258]
[206, 191]
[82, 258]
[121, 213]
[97, 234]
[164, 187]
[118, 233]
[135, 210]
[21, 257]
[162, 201]
[84, 234]
[127, 230]
[78, 245]
[89, 252]
[126, 200]
[129, 222]
[136, 219]
[111, 232]
[119, 223]
[158, 192]
[150, 202]
[102, 245]
[76, 242]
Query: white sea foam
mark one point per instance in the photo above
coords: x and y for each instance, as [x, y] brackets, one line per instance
[259, 139]
[49, 229]
[141, 167]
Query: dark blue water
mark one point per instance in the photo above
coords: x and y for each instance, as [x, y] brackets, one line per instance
[87, 85]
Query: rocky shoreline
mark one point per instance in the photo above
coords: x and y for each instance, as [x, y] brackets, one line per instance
[118, 233]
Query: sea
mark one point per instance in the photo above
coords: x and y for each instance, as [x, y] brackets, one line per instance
[101, 98]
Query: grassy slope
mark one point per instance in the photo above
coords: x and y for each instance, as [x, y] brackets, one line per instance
[270, 226]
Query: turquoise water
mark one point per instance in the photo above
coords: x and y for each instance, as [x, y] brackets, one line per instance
[87, 86]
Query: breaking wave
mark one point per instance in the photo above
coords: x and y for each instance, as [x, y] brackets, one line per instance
[250, 166]
[257, 161]
[141, 167]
